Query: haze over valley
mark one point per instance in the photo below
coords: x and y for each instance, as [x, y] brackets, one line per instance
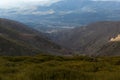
[50, 16]
[60, 40]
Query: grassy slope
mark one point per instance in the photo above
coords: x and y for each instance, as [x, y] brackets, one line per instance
[18, 39]
[88, 40]
[44, 67]
[14, 47]
[110, 49]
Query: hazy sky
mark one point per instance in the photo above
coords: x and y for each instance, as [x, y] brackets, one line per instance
[105, 0]
[31, 6]
[6, 4]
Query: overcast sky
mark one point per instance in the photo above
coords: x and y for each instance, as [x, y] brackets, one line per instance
[6, 4]
[105, 0]
[30, 6]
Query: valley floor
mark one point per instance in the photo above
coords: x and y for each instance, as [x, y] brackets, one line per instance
[44, 67]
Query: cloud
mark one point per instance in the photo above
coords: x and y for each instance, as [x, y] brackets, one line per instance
[85, 9]
[88, 9]
[8, 4]
[105, 0]
[66, 12]
[25, 7]
[32, 11]
[44, 12]
[48, 12]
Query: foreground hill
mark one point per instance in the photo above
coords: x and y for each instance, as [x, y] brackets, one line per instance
[91, 39]
[17, 39]
[45, 67]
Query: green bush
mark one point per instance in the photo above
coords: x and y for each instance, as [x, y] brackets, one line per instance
[48, 67]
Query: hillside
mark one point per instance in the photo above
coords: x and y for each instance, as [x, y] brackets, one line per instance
[112, 48]
[109, 49]
[12, 47]
[89, 39]
[17, 39]
[46, 67]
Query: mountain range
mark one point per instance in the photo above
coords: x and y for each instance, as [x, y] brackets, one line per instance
[96, 39]
[18, 39]
[93, 39]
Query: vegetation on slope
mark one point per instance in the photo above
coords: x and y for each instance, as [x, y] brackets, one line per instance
[44, 67]
[13, 47]
[110, 49]
[19, 39]
[89, 39]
